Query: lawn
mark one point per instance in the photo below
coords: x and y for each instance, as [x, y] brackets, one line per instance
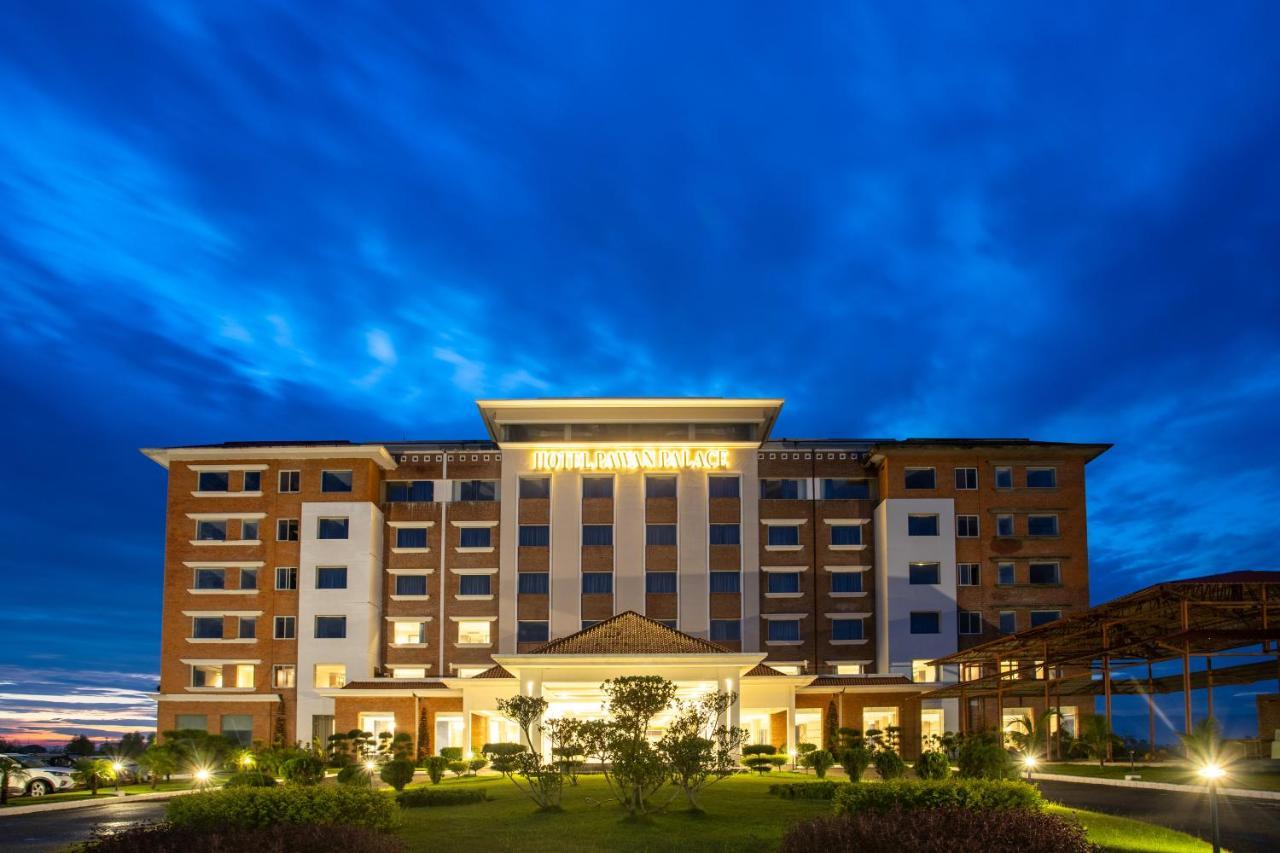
[740, 816]
[105, 792]
[1174, 774]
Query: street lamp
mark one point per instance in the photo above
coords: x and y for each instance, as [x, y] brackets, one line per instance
[1029, 762]
[116, 767]
[792, 754]
[1211, 773]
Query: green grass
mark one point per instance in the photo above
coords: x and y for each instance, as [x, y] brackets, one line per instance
[740, 816]
[1173, 773]
[105, 792]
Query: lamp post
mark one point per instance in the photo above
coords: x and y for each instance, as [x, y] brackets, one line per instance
[116, 768]
[1029, 762]
[1211, 773]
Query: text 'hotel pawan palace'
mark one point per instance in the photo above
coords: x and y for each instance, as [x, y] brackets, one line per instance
[314, 587]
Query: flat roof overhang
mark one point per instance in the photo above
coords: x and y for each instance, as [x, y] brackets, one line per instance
[164, 456]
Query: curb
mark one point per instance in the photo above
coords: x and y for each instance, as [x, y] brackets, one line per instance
[15, 811]
[1156, 786]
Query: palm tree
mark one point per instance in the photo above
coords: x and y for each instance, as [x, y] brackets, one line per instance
[1034, 737]
[1095, 735]
[9, 770]
[1204, 745]
[158, 760]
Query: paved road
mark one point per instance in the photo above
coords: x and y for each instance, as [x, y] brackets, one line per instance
[1247, 825]
[55, 830]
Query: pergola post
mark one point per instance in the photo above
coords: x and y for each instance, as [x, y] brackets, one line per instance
[1045, 671]
[1106, 683]
[1186, 666]
[964, 710]
[1000, 698]
[1208, 662]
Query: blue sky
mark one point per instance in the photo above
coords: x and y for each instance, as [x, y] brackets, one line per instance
[232, 221]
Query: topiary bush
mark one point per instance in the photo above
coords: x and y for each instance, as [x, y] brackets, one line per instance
[762, 764]
[503, 756]
[168, 838]
[441, 796]
[820, 760]
[303, 770]
[249, 779]
[939, 830]
[397, 773]
[907, 795]
[355, 775]
[855, 760]
[759, 749]
[435, 766]
[933, 765]
[806, 790]
[457, 768]
[257, 808]
[889, 765]
[451, 753]
[982, 757]
[475, 765]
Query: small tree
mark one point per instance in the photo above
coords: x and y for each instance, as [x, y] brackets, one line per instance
[889, 764]
[820, 760]
[542, 782]
[699, 747]
[451, 753]
[397, 773]
[402, 747]
[933, 764]
[435, 766]
[10, 769]
[981, 756]
[830, 738]
[855, 760]
[458, 768]
[570, 752]
[476, 764]
[633, 768]
[158, 760]
[303, 770]
[1030, 735]
[92, 772]
[503, 756]
[1096, 737]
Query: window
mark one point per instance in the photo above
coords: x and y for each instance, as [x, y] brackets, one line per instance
[331, 577]
[783, 490]
[206, 628]
[290, 482]
[211, 531]
[597, 534]
[1004, 574]
[330, 675]
[597, 487]
[966, 526]
[474, 585]
[659, 534]
[722, 487]
[1042, 478]
[919, 478]
[1004, 477]
[844, 489]
[924, 573]
[206, 675]
[726, 630]
[1043, 573]
[535, 535]
[332, 528]
[191, 722]
[969, 622]
[286, 628]
[409, 633]
[475, 537]
[846, 629]
[411, 491]
[925, 622]
[286, 577]
[659, 486]
[784, 630]
[534, 583]
[284, 675]
[725, 534]
[724, 582]
[420, 672]
[785, 583]
[238, 728]
[411, 537]
[287, 530]
[535, 487]
[1008, 622]
[252, 481]
[1042, 525]
[597, 583]
[335, 481]
[213, 481]
[966, 479]
[415, 585]
[1004, 525]
[968, 574]
[476, 490]
[784, 534]
[846, 582]
[331, 627]
[248, 578]
[248, 628]
[1043, 617]
[921, 671]
[846, 534]
[211, 578]
[249, 530]
[473, 633]
[531, 632]
[660, 583]
[851, 669]
[922, 525]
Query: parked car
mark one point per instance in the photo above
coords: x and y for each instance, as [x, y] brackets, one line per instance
[34, 778]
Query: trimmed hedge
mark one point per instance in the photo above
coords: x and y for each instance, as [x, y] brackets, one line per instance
[167, 838]
[912, 795]
[259, 808]
[249, 779]
[441, 796]
[303, 770]
[942, 830]
[806, 790]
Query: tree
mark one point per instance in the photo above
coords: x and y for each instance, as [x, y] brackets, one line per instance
[1204, 745]
[9, 769]
[397, 773]
[92, 772]
[699, 747]
[570, 752]
[435, 766]
[820, 760]
[1031, 734]
[132, 744]
[1095, 736]
[79, 745]
[476, 764]
[633, 768]
[830, 738]
[542, 782]
[158, 760]
[503, 756]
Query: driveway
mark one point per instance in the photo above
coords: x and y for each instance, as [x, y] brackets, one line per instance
[1247, 825]
[55, 830]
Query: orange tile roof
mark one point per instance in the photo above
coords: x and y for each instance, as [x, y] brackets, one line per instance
[629, 633]
[761, 669]
[494, 671]
[394, 684]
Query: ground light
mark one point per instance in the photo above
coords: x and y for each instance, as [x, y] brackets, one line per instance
[1029, 762]
[1211, 773]
[792, 753]
[202, 776]
[370, 766]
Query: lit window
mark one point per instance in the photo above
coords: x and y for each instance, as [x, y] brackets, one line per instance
[290, 482]
[922, 525]
[252, 481]
[659, 486]
[1042, 478]
[788, 668]
[473, 633]
[244, 676]
[659, 534]
[535, 535]
[1004, 477]
[922, 671]
[784, 490]
[206, 628]
[970, 672]
[331, 577]
[722, 487]
[966, 526]
[1008, 622]
[970, 622]
[1043, 573]
[335, 481]
[968, 574]
[1004, 525]
[331, 627]
[846, 629]
[411, 585]
[475, 490]
[284, 675]
[844, 489]
[416, 672]
[475, 537]
[660, 583]
[597, 487]
[285, 628]
[531, 631]
[206, 675]
[211, 531]
[599, 535]
[1043, 617]
[784, 535]
[846, 582]
[535, 488]
[287, 530]
[1042, 525]
[411, 537]
[286, 577]
[920, 574]
[213, 481]
[468, 671]
[534, 583]
[926, 622]
[846, 534]
[332, 528]
[919, 478]
[211, 579]
[474, 585]
[597, 583]
[409, 633]
[850, 668]
[784, 583]
[1005, 574]
[330, 675]
[966, 479]
[728, 582]
[725, 630]
[725, 534]
[410, 491]
[784, 630]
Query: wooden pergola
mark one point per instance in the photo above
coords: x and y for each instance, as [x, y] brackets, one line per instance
[1213, 617]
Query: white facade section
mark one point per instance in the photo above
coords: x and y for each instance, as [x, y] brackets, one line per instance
[360, 602]
[897, 598]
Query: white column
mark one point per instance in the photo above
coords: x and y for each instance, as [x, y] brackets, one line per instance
[791, 721]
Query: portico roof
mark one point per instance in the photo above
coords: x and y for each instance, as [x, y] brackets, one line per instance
[629, 633]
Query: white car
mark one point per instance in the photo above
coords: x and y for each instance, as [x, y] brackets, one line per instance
[32, 777]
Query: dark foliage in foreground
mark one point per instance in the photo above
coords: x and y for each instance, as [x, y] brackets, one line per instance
[939, 831]
[293, 838]
[441, 796]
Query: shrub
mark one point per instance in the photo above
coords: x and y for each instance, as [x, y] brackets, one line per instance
[250, 779]
[806, 790]
[167, 838]
[442, 796]
[303, 770]
[939, 831]
[909, 795]
[451, 753]
[503, 756]
[258, 808]
[435, 766]
[457, 767]
[397, 773]
[355, 775]
[762, 764]
[759, 749]
[982, 757]
[855, 760]
[933, 765]
[889, 765]
[820, 760]
[477, 764]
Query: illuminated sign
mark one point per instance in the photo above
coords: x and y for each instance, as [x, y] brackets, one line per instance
[649, 459]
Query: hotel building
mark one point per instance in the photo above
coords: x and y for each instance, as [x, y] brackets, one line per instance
[314, 587]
